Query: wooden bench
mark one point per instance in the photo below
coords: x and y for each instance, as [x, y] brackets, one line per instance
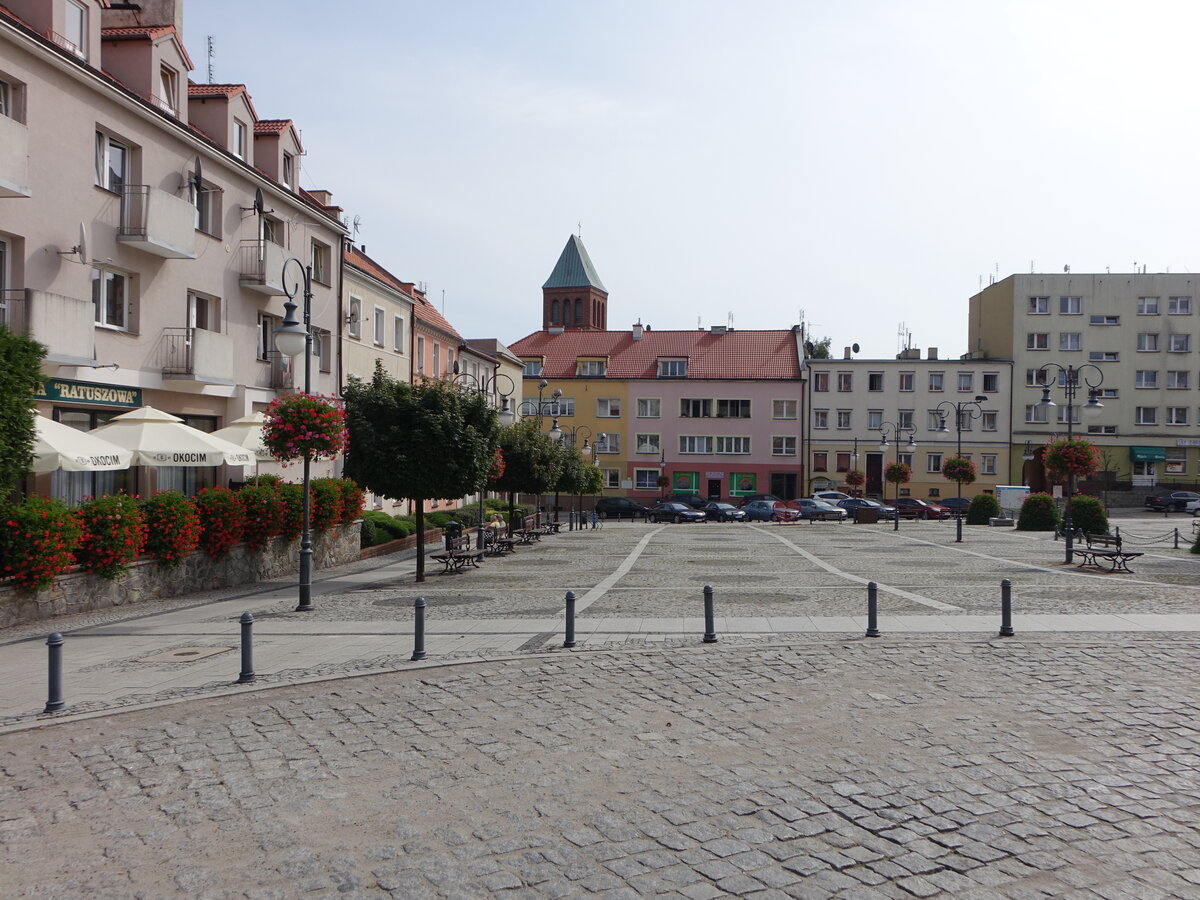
[458, 553]
[527, 535]
[1105, 549]
[495, 543]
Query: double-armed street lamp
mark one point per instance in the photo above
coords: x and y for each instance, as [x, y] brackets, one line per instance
[487, 385]
[894, 431]
[1068, 379]
[963, 410]
[527, 410]
[571, 435]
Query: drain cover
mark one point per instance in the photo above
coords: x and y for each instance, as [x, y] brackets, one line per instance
[184, 654]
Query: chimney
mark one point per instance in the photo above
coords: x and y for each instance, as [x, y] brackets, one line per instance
[719, 329]
[846, 353]
[324, 198]
[637, 330]
[933, 353]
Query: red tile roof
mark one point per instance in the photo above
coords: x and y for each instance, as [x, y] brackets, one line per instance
[745, 355]
[215, 90]
[426, 313]
[359, 260]
[148, 32]
[272, 126]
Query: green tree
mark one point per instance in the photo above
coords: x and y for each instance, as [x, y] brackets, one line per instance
[821, 349]
[532, 462]
[418, 441]
[20, 378]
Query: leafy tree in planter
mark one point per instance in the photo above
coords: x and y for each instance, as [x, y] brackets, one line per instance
[418, 441]
[532, 462]
[20, 378]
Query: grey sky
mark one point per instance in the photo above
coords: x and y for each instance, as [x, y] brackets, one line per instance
[866, 162]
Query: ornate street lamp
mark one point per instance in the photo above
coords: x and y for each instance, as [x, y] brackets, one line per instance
[895, 431]
[487, 386]
[527, 410]
[575, 431]
[965, 409]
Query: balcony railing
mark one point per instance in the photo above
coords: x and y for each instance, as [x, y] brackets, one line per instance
[177, 351]
[197, 354]
[68, 45]
[260, 266]
[278, 373]
[12, 309]
[157, 222]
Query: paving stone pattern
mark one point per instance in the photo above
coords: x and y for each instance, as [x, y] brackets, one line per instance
[835, 768]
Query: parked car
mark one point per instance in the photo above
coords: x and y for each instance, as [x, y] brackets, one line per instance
[695, 501]
[750, 498]
[1171, 501]
[914, 508]
[853, 504]
[831, 496]
[1194, 507]
[723, 512]
[770, 511]
[818, 510]
[670, 511]
[620, 508]
[954, 504]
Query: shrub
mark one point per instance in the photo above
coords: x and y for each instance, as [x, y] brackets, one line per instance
[384, 527]
[292, 524]
[352, 500]
[367, 535]
[439, 519]
[1038, 513]
[221, 520]
[113, 534]
[263, 508]
[264, 479]
[1196, 545]
[1087, 515]
[983, 508]
[172, 526]
[326, 503]
[37, 542]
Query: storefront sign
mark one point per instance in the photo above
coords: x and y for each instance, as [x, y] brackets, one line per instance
[60, 390]
[1147, 454]
[1187, 442]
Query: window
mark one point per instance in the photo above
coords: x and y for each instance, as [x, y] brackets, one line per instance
[1037, 340]
[612, 477]
[988, 422]
[733, 409]
[907, 459]
[875, 381]
[732, 444]
[1147, 306]
[398, 334]
[532, 368]
[112, 163]
[645, 479]
[906, 380]
[267, 324]
[110, 297]
[1179, 306]
[355, 316]
[207, 200]
[843, 418]
[323, 349]
[1103, 356]
[1146, 415]
[933, 462]
[1179, 343]
[591, 368]
[239, 139]
[783, 409]
[648, 443]
[1177, 379]
[1147, 343]
[608, 442]
[783, 445]
[1176, 462]
[320, 262]
[937, 381]
[1147, 378]
[966, 382]
[991, 382]
[76, 29]
[905, 418]
[437, 359]
[420, 346]
[6, 100]
[820, 461]
[1177, 415]
[1062, 415]
[1104, 320]
[987, 464]
[608, 408]
[168, 90]
[1102, 429]
[845, 381]
[934, 423]
[1070, 306]
[1070, 340]
[820, 381]
[203, 312]
[1039, 306]
[695, 443]
[563, 407]
[1036, 414]
[820, 418]
[874, 419]
[695, 409]
[289, 171]
[272, 230]
[649, 408]
[672, 368]
[378, 320]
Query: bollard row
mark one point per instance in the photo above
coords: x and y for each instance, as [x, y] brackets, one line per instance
[1006, 625]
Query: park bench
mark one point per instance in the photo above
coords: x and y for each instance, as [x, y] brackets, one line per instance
[458, 553]
[1105, 549]
[495, 544]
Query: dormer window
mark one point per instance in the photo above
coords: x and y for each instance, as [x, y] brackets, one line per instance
[532, 368]
[238, 147]
[672, 368]
[76, 29]
[168, 90]
[289, 163]
[591, 368]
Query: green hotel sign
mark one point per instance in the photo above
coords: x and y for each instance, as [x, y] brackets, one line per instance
[61, 390]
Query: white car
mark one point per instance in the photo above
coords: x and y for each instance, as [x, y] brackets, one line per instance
[1193, 507]
[830, 496]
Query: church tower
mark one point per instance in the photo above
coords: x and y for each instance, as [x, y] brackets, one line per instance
[573, 297]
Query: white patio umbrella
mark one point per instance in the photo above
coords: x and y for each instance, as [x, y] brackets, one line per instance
[247, 432]
[59, 446]
[161, 439]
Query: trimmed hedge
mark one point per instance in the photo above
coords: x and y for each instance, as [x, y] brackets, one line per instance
[1087, 515]
[1038, 513]
[983, 508]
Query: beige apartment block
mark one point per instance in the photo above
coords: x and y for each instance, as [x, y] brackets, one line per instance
[149, 228]
[1133, 338]
[853, 404]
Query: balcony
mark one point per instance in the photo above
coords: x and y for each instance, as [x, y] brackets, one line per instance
[12, 310]
[277, 373]
[157, 222]
[14, 158]
[197, 355]
[65, 325]
[261, 267]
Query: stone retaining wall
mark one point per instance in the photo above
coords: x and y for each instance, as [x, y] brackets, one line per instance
[144, 581]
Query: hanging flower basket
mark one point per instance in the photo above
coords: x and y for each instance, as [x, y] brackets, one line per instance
[498, 467]
[959, 469]
[898, 473]
[301, 425]
[1071, 456]
[856, 478]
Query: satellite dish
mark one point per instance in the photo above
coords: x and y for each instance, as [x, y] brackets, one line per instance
[198, 177]
[808, 348]
[81, 247]
[258, 201]
[854, 347]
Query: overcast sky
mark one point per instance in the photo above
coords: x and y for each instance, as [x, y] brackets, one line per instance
[864, 164]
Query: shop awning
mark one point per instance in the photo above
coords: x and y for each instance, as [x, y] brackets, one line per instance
[1147, 454]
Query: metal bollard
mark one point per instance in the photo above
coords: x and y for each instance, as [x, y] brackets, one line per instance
[247, 674]
[418, 629]
[1006, 626]
[570, 640]
[1176, 538]
[710, 629]
[872, 609]
[55, 702]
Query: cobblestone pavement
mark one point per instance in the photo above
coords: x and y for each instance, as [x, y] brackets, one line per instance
[812, 768]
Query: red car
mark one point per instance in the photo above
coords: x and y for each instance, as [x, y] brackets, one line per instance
[913, 508]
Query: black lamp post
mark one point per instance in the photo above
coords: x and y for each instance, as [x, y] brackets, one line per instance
[528, 411]
[894, 431]
[485, 385]
[292, 339]
[965, 409]
[1069, 379]
[575, 431]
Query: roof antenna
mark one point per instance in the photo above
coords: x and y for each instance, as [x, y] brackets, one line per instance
[212, 51]
[579, 229]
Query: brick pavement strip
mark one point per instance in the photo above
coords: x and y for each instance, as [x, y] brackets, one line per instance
[989, 768]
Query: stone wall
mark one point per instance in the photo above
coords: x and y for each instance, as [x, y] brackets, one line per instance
[78, 591]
